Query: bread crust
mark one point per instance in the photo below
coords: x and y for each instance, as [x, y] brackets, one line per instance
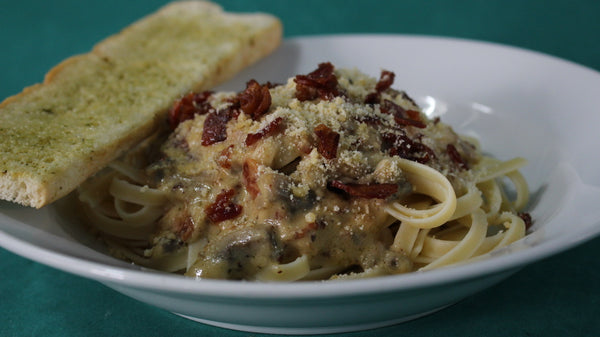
[93, 107]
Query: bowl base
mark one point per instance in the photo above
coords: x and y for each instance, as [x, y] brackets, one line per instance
[279, 330]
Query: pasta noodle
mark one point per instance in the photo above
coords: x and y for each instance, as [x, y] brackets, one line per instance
[333, 175]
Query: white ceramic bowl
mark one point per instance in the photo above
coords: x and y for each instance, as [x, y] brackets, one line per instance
[517, 102]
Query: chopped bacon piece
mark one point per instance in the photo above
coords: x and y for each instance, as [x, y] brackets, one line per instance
[233, 110]
[372, 98]
[224, 159]
[413, 114]
[215, 127]
[526, 218]
[223, 208]
[188, 106]
[369, 191]
[404, 147]
[272, 128]
[327, 141]
[402, 116]
[388, 107]
[409, 122]
[255, 100]
[320, 83]
[386, 79]
[250, 173]
[456, 157]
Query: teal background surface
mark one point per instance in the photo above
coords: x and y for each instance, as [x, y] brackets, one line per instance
[558, 296]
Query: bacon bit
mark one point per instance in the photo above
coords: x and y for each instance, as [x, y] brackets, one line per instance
[215, 127]
[255, 100]
[233, 110]
[409, 122]
[272, 128]
[527, 219]
[456, 157]
[413, 114]
[369, 191]
[386, 79]
[223, 208]
[389, 141]
[188, 106]
[224, 159]
[401, 116]
[250, 173]
[372, 98]
[327, 141]
[320, 83]
[404, 147]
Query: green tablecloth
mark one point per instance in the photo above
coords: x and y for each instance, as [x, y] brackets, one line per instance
[555, 297]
